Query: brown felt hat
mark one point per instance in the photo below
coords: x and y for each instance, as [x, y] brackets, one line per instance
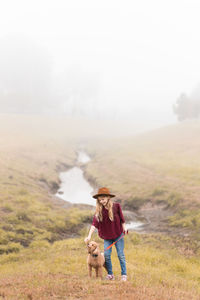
[103, 191]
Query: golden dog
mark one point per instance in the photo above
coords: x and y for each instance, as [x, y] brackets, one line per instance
[95, 259]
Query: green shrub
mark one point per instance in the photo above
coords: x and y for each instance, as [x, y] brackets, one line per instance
[186, 218]
[3, 237]
[9, 248]
[23, 215]
[7, 208]
[79, 217]
[158, 192]
[135, 203]
[54, 186]
[39, 244]
[45, 236]
[173, 200]
[23, 192]
[42, 178]
[57, 226]
[12, 219]
[8, 227]
[135, 238]
[23, 239]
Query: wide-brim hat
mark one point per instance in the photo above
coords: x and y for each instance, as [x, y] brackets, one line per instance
[103, 191]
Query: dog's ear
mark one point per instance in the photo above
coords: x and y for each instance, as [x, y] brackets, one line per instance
[96, 250]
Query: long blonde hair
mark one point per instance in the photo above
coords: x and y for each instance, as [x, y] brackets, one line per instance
[99, 208]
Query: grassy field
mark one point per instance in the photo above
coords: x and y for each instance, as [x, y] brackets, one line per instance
[38, 257]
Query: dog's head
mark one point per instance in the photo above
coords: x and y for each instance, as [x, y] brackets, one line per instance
[93, 248]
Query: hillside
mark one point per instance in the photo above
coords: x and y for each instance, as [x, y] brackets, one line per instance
[32, 152]
[158, 167]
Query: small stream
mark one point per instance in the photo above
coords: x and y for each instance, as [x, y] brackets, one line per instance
[76, 189]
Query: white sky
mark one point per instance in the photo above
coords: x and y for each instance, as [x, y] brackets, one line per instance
[143, 53]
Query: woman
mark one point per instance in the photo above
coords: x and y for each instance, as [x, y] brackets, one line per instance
[109, 221]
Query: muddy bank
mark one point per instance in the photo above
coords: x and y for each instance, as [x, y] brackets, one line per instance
[157, 220]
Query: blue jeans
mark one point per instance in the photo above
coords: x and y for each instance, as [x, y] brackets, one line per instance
[120, 252]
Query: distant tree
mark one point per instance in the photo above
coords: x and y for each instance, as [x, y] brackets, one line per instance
[187, 108]
[182, 107]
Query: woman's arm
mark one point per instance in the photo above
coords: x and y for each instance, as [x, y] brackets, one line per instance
[121, 214]
[92, 229]
[122, 219]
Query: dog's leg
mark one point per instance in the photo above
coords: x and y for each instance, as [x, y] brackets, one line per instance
[104, 265]
[90, 270]
[96, 269]
[100, 272]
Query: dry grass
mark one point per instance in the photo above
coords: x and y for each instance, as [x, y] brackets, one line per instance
[59, 271]
[61, 286]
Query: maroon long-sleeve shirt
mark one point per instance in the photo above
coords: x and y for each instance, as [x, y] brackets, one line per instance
[108, 229]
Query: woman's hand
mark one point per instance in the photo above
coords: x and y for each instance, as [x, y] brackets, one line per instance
[87, 239]
[125, 231]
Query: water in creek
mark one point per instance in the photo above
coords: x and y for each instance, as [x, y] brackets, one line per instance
[76, 189]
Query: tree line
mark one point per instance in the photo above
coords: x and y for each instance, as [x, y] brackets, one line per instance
[187, 107]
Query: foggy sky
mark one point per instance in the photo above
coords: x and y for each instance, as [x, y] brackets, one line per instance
[128, 59]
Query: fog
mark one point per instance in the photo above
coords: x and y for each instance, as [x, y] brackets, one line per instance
[108, 59]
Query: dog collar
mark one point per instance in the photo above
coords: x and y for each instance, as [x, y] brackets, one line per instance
[94, 255]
